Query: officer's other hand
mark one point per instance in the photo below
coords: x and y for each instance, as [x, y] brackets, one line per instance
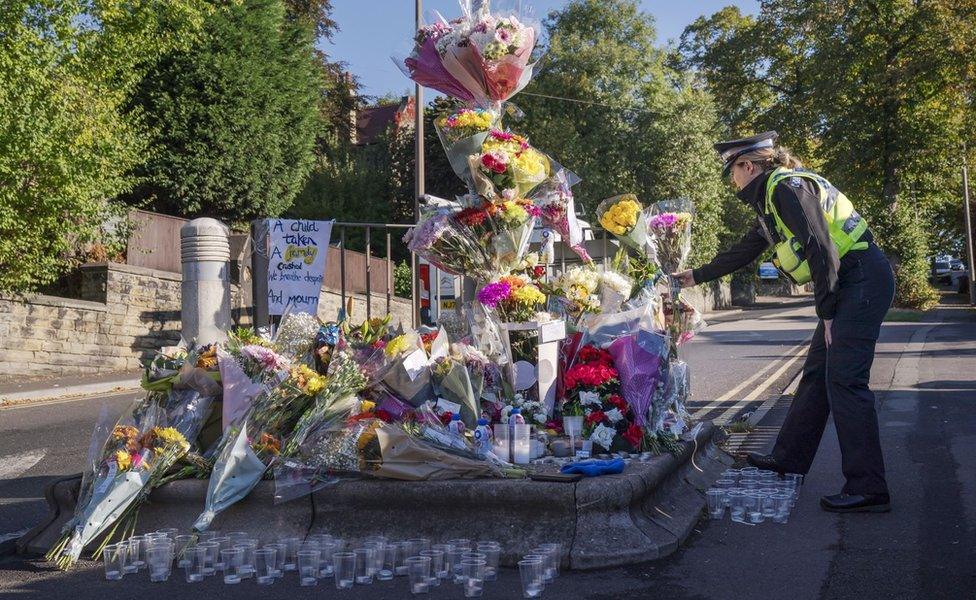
[685, 278]
[827, 337]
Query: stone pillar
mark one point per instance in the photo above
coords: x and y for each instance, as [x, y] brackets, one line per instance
[205, 255]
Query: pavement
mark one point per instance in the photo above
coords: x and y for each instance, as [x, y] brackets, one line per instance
[924, 548]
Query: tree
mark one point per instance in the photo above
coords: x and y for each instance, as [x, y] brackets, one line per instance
[632, 123]
[233, 119]
[878, 94]
[66, 67]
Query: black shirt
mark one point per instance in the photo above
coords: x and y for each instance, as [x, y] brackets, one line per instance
[797, 201]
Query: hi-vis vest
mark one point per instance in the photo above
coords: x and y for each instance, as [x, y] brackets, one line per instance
[844, 224]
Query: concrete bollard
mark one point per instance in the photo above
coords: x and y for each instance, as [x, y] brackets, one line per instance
[205, 254]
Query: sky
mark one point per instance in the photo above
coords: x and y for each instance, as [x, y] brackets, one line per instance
[370, 31]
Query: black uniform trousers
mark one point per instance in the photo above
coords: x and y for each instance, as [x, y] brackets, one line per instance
[835, 379]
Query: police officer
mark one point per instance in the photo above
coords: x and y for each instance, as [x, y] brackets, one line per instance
[817, 236]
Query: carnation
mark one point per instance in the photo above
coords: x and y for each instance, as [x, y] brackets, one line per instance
[603, 436]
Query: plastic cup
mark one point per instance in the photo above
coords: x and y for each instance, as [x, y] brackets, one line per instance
[309, 567]
[206, 536]
[373, 539]
[548, 568]
[291, 551]
[402, 554]
[446, 568]
[181, 543]
[211, 552]
[114, 556]
[344, 566]
[473, 572]
[418, 545]
[279, 567]
[137, 554]
[725, 484]
[492, 552]
[782, 504]
[766, 475]
[436, 565]
[237, 536]
[170, 532]
[196, 559]
[264, 566]
[224, 543]
[457, 549]
[531, 572]
[159, 560]
[232, 557]
[365, 557]
[556, 551]
[418, 571]
[388, 554]
[326, 549]
[731, 474]
[247, 559]
[716, 503]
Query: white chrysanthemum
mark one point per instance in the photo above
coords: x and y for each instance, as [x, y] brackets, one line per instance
[603, 436]
[615, 415]
[616, 282]
[540, 418]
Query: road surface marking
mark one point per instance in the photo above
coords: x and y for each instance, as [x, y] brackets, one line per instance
[755, 393]
[721, 400]
[15, 465]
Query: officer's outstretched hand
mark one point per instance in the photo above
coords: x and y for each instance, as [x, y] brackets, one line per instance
[685, 278]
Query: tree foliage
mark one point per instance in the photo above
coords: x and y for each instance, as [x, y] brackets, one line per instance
[878, 94]
[66, 67]
[632, 122]
[234, 118]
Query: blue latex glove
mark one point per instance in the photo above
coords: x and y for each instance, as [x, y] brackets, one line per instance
[594, 468]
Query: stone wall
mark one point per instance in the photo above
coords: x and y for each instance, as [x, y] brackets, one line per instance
[124, 315]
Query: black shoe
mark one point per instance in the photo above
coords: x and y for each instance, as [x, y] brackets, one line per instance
[845, 503]
[764, 461]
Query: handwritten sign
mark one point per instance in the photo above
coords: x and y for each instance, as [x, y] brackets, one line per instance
[297, 254]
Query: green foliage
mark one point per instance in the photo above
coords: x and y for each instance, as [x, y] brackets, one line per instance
[642, 126]
[878, 95]
[234, 118]
[66, 67]
[402, 279]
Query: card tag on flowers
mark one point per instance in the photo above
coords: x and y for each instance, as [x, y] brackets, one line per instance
[112, 470]
[525, 375]
[553, 331]
[446, 406]
[440, 347]
[415, 363]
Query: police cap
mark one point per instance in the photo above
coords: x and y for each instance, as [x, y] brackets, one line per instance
[733, 149]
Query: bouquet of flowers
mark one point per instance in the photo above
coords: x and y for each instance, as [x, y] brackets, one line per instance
[130, 461]
[577, 288]
[615, 289]
[504, 228]
[623, 217]
[250, 445]
[424, 64]
[488, 53]
[533, 409]
[409, 377]
[670, 228]
[554, 197]
[247, 370]
[514, 298]
[682, 320]
[462, 134]
[592, 388]
[296, 335]
[507, 166]
[450, 246]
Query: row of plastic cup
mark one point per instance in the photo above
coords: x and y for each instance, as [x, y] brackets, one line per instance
[238, 557]
[754, 496]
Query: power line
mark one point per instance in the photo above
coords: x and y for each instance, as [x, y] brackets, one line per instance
[593, 103]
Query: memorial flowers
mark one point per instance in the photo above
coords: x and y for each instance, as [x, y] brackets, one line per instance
[670, 228]
[507, 166]
[623, 217]
[577, 288]
[462, 134]
[450, 246]
[514, 298]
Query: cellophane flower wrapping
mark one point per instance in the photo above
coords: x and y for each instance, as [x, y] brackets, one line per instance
[513, 298]
[450, 246]
[578, 287]
[623, 217]
[490, 53]
[462, 134]
[507, 167]
[252, 444]
[409, 377]
[676, 393]
[669, 225]
[502, 228]
[131, 458]
[554, 197]
[423, 63]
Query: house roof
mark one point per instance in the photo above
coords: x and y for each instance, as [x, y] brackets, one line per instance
[371, 122]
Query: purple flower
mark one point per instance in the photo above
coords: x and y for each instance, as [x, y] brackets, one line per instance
[664, 220]
[264, 357]
[493, 293]
[425, 235]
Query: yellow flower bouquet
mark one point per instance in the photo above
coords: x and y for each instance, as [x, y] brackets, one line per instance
[623, 216]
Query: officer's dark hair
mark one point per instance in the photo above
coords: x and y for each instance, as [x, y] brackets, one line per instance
[770, 158]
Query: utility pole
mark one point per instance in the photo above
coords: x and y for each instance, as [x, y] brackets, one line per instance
[969, 228]
[418, 176]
